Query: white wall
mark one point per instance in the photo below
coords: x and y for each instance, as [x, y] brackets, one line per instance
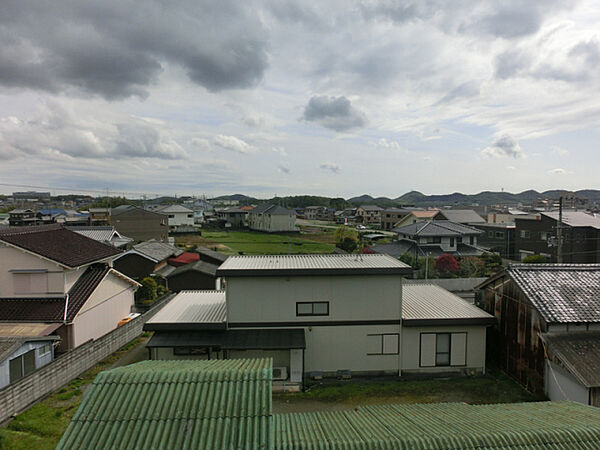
[109, 303]
[350, 297]
[14, 259]
[27, 346]
[411, 343]
[181, 218]
[560, 385]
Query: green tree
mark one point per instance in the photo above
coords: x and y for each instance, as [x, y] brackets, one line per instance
[471, 266]
[535, 259]
[346, 238]
[147, 292]
[492, 263]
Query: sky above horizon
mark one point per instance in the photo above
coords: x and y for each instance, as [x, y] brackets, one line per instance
[331, 98]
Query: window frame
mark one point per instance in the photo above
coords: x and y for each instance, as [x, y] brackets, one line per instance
[312, 314]
[42, 353]
[450, 333]
[381, 335]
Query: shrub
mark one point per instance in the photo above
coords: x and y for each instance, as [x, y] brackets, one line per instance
[147, 292]
[446, 265]
[535, 259]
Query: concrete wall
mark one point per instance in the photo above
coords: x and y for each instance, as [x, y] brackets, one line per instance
[110, 302]
[180, 218]
[18, 396]
[272, 223]
[350, 297]
[475, 349]
[40, 361]
[560, 385]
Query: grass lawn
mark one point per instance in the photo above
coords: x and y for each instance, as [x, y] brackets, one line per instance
[42, 425]
[255, 243]
[495, 387]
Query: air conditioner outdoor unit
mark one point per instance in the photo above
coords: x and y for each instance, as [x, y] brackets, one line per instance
[280, 373]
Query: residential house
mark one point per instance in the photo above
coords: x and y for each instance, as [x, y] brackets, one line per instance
[436, 237]
[272, 219]
[345, 216]
[369, 214]
[199, 275]
[52, 275]
[177, 215]
[580, 237]
[233, 217]
[145, 258]
[498, 238]
[140, 224]
[319, 213]
[99, 216]
[464, 216]
[547, 335]
[107, 234]
[22, 355]
[417, 216]
[391, 216]
[22, 217]
[324, 314]
[508, 216]
[232, 407]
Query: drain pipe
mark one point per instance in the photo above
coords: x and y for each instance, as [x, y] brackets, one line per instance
[66, 308]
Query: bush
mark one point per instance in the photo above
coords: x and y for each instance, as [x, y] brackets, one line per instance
[346, 238]
[535, 259]
[471, 266]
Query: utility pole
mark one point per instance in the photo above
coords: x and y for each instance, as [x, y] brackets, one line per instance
[426, 264]
[559, 250]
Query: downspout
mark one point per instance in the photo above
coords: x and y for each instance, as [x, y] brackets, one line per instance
[66, 309]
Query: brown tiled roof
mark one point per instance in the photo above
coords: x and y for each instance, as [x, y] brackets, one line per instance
[53, 309]
[58, 243]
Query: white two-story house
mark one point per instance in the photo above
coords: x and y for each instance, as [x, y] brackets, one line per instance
[177, 215]
[322, 315]
[53, 275]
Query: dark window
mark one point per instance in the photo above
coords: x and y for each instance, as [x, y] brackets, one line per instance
[451, 242]
[22, 366]
[434, 240]
[490, 234]
[525, 234]
[442, 349]
[500, 234]
[383, 344]
[471, 240]
[194, 351]
[190, 216]
[171, 216]
[312, 308]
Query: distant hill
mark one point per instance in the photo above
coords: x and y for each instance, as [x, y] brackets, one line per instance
[239, 197]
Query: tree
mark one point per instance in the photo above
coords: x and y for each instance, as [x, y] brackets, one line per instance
[147, 292]
[492, 263]
[446, 265]
[471, 266]
[410, 259]
[346, 238]
[535, 259]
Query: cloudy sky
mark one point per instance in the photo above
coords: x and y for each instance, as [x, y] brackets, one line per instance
[330, 98]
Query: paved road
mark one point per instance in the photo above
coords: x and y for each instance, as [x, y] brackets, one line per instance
[316, 223]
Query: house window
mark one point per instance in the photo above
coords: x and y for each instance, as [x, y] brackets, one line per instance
[171, 216]
[500, 234]
[383, 344]
[434, 240]
[44, 350]
[525, 234]
[471, 240]
[451, 242]
[443, 349]
[192, 351]
[190, 216]
[30, 283]
[490, 234]
[312, 308]
[21, 366]
[543, 236]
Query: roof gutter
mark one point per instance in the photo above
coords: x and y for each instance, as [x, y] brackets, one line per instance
[66, 308]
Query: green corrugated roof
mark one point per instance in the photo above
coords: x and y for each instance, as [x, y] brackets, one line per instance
[176, 404]
[547, 425]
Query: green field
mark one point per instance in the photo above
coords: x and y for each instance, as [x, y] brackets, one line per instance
[42, 425]
[255, 243]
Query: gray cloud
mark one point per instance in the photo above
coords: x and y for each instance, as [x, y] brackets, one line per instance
[334, 168]
[504, 146]
[283, 169]
[118, 49]
[234, 144]
[57, 131]
[335, 113]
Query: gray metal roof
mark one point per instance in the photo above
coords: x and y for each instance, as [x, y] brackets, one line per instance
[576, 218]
[173, 209]
[274, 210]
[579, 353]
[157, 250]
[436, 228]
[370, 208]
[256, 265]
[191, 310]
[395, 249]
[428, 304]
[562, 293]
[462, 216]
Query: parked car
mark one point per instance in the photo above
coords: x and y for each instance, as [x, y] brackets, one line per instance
[361, 227]
[128, 318]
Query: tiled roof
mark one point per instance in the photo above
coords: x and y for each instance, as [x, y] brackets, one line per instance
[59, 244]
[191, 310]
[561, 293]
[579, 353]
[274, 210]
[311, 265]
[370, 208]
[159, 251]
[53, 309]
[546, 425]
[176, 404]
[173, 209]
[462, 216]
[199, 266]
[183, 259]
[431, 304]
[425, 214]
[436, 228]
[395, 249]
[211, 256]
